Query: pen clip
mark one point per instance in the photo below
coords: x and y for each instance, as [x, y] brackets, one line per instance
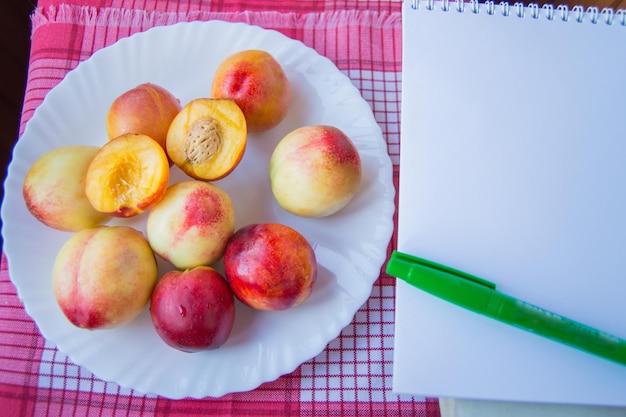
[401, 265]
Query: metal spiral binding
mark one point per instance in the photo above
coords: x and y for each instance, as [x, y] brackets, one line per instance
[577, 13]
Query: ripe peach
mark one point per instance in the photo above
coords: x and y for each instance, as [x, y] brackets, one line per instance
[270, 266]
[146, 109]
[54, 189]
[103, 277]
[258, 84]
[193, 310]
[207, 139]
[128, 174]
[191, 225]
[315, 171]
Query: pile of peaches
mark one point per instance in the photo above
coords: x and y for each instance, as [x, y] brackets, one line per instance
[104, 276]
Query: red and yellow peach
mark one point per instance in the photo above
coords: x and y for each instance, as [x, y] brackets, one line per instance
[103, 277]
[191, 225]
[270, 266]
[146, 109]
[259, 86]
[54, 189]
[315, 171]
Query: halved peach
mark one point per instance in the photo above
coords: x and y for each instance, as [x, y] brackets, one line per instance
[207, 138]
[128, 174]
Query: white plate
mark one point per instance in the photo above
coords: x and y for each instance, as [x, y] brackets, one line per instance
[350, 246]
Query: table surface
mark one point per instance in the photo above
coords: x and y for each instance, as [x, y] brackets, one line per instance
[353, 374]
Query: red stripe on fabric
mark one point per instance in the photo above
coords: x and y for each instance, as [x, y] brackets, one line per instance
[17, 400]
[277, 398]
[64, 402]
[338, 24]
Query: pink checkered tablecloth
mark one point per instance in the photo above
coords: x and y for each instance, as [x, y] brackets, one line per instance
[353, 374]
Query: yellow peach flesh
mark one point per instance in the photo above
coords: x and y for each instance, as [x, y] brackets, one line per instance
[207, 139]
[128, 175]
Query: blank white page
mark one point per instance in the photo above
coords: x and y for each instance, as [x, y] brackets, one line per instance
[513, 168]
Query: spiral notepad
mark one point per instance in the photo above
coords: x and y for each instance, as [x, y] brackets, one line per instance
[513, 168]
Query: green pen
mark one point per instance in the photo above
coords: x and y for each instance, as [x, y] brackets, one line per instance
[480, 296]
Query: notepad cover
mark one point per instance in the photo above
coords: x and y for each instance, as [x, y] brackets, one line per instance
[513, 168]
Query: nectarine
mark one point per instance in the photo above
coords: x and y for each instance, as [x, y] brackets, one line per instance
[258, 84]
[54, 189]
[191, 225]
[193, 310]
[146, 109]
[315, 171]
[103, 277]
[270, 266]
